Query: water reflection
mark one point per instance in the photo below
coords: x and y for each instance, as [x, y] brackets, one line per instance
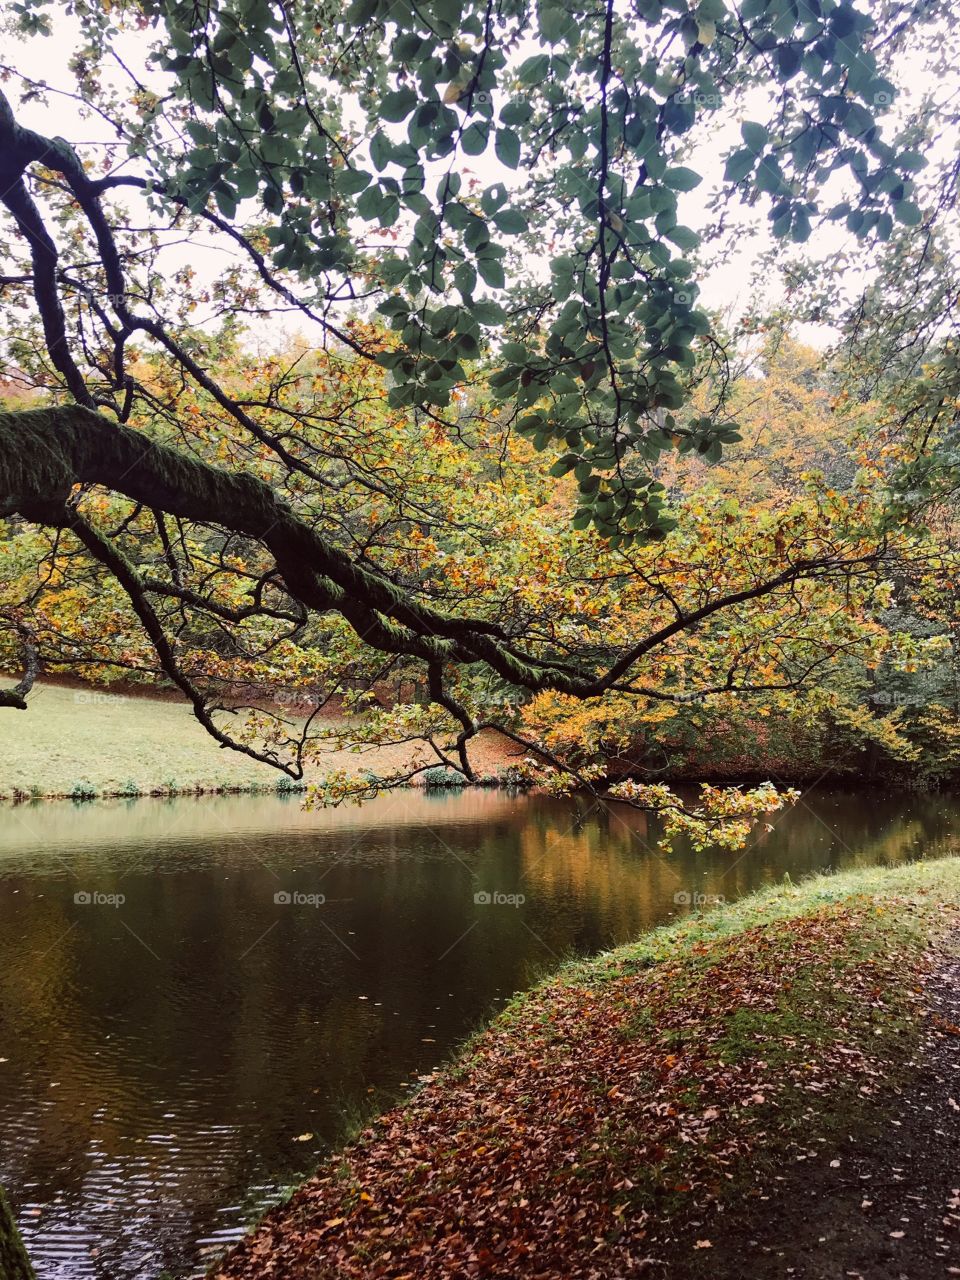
[170, 1040]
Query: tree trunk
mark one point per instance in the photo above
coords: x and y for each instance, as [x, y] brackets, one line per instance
[14, 1263]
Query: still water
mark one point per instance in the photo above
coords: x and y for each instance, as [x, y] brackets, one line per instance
[197, 997]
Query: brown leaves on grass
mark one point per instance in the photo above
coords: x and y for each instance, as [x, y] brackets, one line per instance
[565, 1142]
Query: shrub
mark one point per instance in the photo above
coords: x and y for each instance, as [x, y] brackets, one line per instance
[285, 784]
[440, 778]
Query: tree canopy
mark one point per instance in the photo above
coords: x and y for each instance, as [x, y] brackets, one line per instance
[474, 212]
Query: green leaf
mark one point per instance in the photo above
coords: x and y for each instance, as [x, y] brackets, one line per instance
[449, 186]
[682, 179]
[246, 181]
[486, 311]
[226, 198]
[769, 177]
[361, 11]
[884, 227]
[843, 20]
[805, 147]
[516, 112]
[555, 24]
[398, 104]
[789, 58]
[535, 69]
[510, 221]
[380, 150]
[507, 147]
[475, 136]
[858, 120]
[908, 213]
[684, 238]
[515, 352]
[491, 272]
[494, 198]
[352, 181]
[448, 11]
[531, 422]
[407, 46]
[394, 271]
[465, 278]
[800, 231]
[371, 204]
[781, 223]
[399, 396]
[565, 464]
[754, 135]
[739, 165]
[477, 233]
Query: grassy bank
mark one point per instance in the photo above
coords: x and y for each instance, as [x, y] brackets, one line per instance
[85, 742]
[627, 1113]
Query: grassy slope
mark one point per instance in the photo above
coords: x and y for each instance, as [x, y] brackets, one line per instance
[612, 1113]
[113, 743]
[71, 736]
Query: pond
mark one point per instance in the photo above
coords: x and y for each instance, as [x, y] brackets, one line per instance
[199, 996]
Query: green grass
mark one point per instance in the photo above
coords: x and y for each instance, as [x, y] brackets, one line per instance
[86, 742]
[921, 883]
[907, 900]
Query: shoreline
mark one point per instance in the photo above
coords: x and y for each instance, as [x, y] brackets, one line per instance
[279, 784]
[82, 744]
[620, 1112]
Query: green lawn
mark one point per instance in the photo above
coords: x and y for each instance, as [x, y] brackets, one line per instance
[84, 742]
[76, 739]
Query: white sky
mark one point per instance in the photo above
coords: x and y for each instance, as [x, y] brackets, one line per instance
[727, 287]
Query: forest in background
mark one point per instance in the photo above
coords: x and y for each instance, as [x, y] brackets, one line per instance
[854, 679]
[515, 473]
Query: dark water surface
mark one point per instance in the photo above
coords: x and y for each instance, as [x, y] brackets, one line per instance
[160, 1056]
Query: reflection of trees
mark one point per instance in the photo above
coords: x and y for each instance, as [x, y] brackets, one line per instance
[48, 829]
